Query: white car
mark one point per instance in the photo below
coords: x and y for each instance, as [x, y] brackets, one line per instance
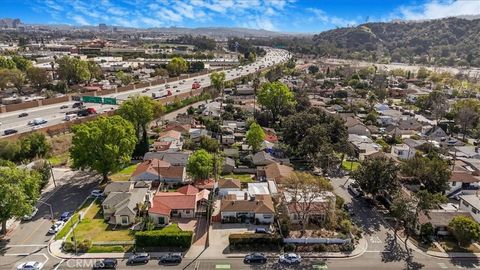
[56, 227]
[96, 193]
[289, 258]
[29, 217]
[30, 266]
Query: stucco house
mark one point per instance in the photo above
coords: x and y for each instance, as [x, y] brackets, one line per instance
[159, 170]
[354, 126]
[313, 207]
[260, 210]
[120, 208]
[227, 185]
[186, 202]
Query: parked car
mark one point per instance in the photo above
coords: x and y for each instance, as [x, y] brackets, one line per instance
[138, 258]
[23, 114]
[96, 193]
[106, 264]
[31, 215]
[66, 216]
[63, 107]
[9, 131]
[355, 190]
[255, 258]
[261, 230]
[289, 258]
[33, 265]
[171, 258]
[56, 227]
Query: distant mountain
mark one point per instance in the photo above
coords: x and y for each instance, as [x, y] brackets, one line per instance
[220, 31]
[449, 41]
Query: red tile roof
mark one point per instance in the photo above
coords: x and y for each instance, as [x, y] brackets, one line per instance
[150, 166]
[188, 190]
[185, 197]
[162, 146]
[205, 184]
[170, 134]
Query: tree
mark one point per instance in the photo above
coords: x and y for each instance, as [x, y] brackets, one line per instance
[38, 77]
[19, 191]
[305, 190]
[124, 78]
[465, 230]
[423, 73]
[255, 137]
[200, 165]
[9, 150]
[218, 80]
[277, 98]
[177, 66]
[313, 69]
[467, 112]
[160, 72]
[21, 63]
[73, 70]
[431, 172]
[94, 70]
[7, 63]
[209, 144]
[34, 145]
[104, 145]
[377, 174]
[197, 66]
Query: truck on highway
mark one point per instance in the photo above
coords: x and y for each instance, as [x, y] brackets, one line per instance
[161, 94]
[79, 112]
[196, 85]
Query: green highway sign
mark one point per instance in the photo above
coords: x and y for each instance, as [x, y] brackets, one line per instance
[91, 99]
[111, 101]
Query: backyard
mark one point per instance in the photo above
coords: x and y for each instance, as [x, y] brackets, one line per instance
[244, 178]
[124, 174]
[350, 165]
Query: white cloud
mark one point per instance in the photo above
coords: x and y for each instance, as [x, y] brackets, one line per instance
[321, 16]
[440, 9]
[80, 20]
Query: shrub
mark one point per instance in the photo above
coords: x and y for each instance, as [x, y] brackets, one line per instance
[84, 246]
[289, 247]
[254, 239]
[68, 246]
[164, 238]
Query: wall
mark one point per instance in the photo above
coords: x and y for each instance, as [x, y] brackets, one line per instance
[21, 106]
[50, 101]
[317, 241]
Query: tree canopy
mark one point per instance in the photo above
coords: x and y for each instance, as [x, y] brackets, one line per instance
[177, 66]
[277, 98]
[377, 174]
[218, 80]
[255, 136]
[465, 230]
[432, 172]
[124, 78]
[200, 165]
[38, 77]
[104, 145]
[73, 70]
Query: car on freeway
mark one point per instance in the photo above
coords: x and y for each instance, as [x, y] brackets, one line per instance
[175, 86]
[255, 258]
[261, 231]
[37, 121]
[177, 91]
[138, 258]
[96, 193]
[106, 264]
[145, 90]
[66, 216]
[63, 107]
[56, 227]
[170, 258]
[9, 131]
[167, 85]
[77, 105]
[24, 114]
[31, 215]
[32, 265]
[202, 79]
[290, 258]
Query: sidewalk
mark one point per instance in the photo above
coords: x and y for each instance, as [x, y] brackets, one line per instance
[55, 249]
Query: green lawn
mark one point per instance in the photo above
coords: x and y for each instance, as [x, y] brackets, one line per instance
[59, 160]
[93, 227]
[451, 245]
[350, 165]
[244, 178]
[66, 228]
[124, 174]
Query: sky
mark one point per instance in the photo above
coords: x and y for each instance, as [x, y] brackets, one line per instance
[305, 16]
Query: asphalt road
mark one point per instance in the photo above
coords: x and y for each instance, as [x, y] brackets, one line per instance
[54, 115]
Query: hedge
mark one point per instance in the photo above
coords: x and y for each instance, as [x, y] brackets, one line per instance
[161, 238]
[254, 239]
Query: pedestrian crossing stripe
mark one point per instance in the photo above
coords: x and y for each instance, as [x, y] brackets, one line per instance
[320, 266]
[222, 266]
[442, 265]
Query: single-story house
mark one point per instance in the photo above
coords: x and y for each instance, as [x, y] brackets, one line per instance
[159, 170]
[354, 126]
[439, 219]
[228, 165]
[275, 172]
[471, 203]
[402, 151]
[436, 133]
[120, 208]
[227, 185]
[169, 136]
[186, 202]
[196, 133]
[174, 158]
[118, 187]
[313, 206]
[259, 210]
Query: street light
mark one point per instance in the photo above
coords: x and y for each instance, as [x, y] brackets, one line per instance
[49, 205]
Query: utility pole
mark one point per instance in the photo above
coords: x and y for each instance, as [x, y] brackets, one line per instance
[51, 172]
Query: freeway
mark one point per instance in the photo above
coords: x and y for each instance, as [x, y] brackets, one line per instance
[53, 114]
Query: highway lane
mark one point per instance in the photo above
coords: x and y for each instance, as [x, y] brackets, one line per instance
[54, 115]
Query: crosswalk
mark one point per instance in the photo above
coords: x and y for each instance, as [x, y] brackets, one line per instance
[375, 239]
[472, 266]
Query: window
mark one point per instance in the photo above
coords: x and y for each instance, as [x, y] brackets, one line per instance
[267, 216]
[161, 220]
[124, 219]
[454, 183]
[187, 211]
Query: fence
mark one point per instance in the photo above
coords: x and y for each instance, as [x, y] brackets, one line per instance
[317, 241]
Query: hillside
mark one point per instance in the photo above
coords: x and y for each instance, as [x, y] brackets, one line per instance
[450, 41]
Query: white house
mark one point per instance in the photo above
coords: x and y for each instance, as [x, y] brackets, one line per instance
[227, 185]
[471, 203]
[403, 151]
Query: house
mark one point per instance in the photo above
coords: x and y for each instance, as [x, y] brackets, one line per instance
[275, 172]
[186, 202]
[467, 151]
[227, 185]
[169, 136]
[228, 165]
[354, 126]
[439, 220]
[410, 123]
[182, 128]
[395, 131]
[159, 170]
[255, 189]
[120, 208]
[311, 206]
[228, 139]
[231, 152]
[385, 120]
[262, 158]
[462, 182]
[212, 109]
[436, 133]
[260, 210]
[402, 151]
[196, 133]
[118, 187]
[245, 89]
[471, 204]
[205, 184]
[174, 158]
[363, 146]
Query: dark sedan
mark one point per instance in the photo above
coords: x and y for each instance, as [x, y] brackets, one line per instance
[255, 258]
[171, 258]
